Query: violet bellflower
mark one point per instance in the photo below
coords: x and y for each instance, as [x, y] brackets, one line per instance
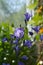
[8, 64]
[41, 37]
[28, 43]
[12, 36]
[31, 33]
[17, 49]
[36, 29]
[24, 57]
[19, 32]
[27, 16]
[15, 41]
[20, 63]
[4, 39]
[5, 64]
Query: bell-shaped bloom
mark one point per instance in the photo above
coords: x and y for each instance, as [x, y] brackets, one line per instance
[3, 63]
[17, 49]
[4, 39]
[36, 29]
[27, 16]
[20, 63]
[8, 64]
[41, 37]
[15, 41]
[31, 33]
[19, 32]
[28, 43]
[24, 57]
[12, 36]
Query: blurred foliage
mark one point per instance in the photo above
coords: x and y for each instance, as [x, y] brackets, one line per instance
[36, 20]
[12, 12]
[17, 18]
[5, 30]
[7, 27]
[4, 6]
[32, 5]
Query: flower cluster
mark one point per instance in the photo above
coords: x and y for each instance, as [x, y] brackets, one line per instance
[14, 43]
[17, 46]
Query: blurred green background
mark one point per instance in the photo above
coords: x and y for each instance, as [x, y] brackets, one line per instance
[12, 11]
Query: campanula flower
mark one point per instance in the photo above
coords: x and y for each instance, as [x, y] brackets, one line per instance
[15, 41]
[19, 32]
[17, 49]
[41, 37]
[27, 16]
[24, 57]
[8, 64]
[28, 43]
[36, 29]
[31, 33]
[4, 39]
[3, 63]
[20, 63]
[11, 35]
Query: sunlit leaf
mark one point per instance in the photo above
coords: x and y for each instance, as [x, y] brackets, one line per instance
[32, 5]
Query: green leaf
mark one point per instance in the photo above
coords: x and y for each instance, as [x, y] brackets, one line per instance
[31, 22]
[0, 43]
[1, 49]
[26, 37]
[32, 5]
[36, 20]
[37, 37]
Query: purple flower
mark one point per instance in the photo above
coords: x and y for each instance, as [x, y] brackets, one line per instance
[31, 33]
[28, 43]
[19, 32]
[27, 16]
[11, 35]
[4, 39]
[15, 41]
[8, 64]
[20, 63]
[17, 49]
[24, 57]
[3, 63]
[36, 28]
[41, 37]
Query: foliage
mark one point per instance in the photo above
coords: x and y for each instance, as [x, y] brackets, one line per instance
[7, 45]
[32, 5]
[18, 46]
